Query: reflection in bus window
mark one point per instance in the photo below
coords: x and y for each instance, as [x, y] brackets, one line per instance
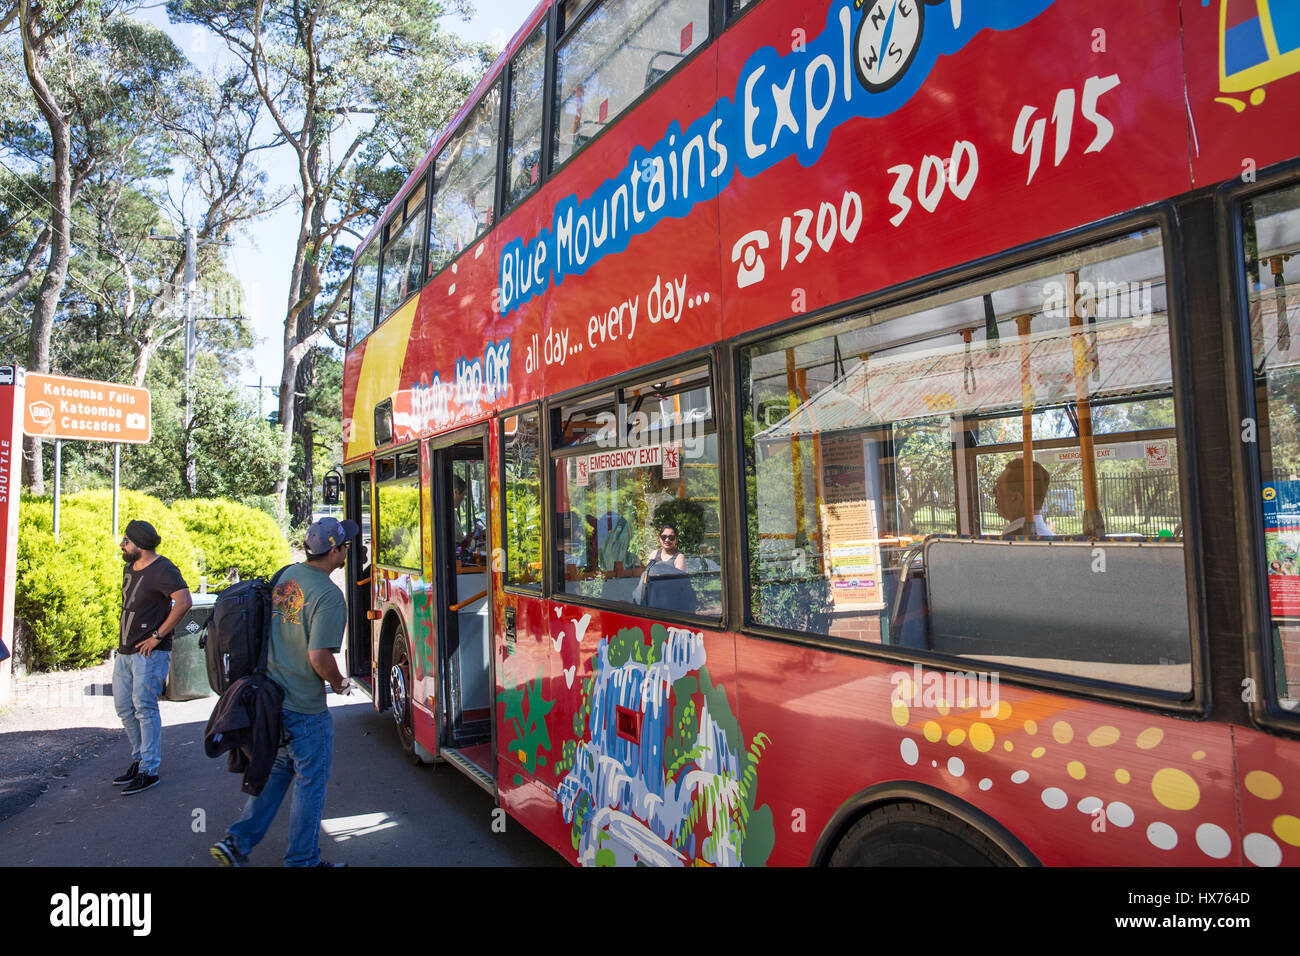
[397, 534]
[527, 88]
[889, 498]
[464, 183]
[365, 289]
[653, 465]
[616, 54]
[1271, 240]
[523, 493]
[403, 260]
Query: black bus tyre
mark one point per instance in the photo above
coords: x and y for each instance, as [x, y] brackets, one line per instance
[399, 695]
[914, 834]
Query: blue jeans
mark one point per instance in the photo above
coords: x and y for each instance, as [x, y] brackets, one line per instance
[305, 762]
[137, 683]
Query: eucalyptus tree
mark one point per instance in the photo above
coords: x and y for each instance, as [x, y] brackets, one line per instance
[356, 89]
[98, 83]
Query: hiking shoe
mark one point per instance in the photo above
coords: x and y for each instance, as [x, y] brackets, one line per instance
[132, 772]
[141, 783]
[226, 854]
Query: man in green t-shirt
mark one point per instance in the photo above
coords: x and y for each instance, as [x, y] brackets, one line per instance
[307, 618]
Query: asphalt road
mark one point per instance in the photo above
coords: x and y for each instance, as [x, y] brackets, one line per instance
[379, 811]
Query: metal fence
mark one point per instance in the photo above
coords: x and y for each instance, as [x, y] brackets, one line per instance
[1130, 504]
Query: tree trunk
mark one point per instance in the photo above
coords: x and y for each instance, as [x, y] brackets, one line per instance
[300, 317]
[56, 271]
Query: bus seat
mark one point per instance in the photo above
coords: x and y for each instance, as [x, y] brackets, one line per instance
[1046, 599]
[670, 592]
[657, 68]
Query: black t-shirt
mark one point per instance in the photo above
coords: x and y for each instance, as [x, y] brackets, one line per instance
[146, 602]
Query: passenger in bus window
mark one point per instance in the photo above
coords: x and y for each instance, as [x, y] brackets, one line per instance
[666, 557]
[1009, 498]
[666, 563]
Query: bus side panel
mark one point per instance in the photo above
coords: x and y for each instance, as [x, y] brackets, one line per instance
[453, 369]
[1243, 86]
[1268, 770]
[935, 154]
[531, 717]
[661, 293]
[1075, 781]
[637, 738]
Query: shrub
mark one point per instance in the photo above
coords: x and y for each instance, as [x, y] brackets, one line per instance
[230, 535]
[69, 593]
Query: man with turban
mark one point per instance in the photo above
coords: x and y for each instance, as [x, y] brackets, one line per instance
[154, 599]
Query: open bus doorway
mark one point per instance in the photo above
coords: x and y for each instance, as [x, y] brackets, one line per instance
[358, 570]
[461, 529]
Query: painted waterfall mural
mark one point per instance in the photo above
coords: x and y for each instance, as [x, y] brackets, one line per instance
[659, 772]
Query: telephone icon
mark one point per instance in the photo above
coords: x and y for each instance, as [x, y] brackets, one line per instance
[745, 251]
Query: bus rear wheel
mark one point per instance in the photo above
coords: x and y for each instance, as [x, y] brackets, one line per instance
[399, 696]
[914, 834]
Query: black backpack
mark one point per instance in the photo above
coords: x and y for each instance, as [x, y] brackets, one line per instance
[237, 633]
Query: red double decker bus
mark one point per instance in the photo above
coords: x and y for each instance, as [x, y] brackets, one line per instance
[848, 431]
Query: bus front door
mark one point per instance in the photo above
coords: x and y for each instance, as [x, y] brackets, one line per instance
[462, 532]
[357, 508]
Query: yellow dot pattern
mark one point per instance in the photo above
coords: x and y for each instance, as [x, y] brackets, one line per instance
[1263, 785]
[1150, 738]
[1175, 789]
[1287, 829]
[1104, 736]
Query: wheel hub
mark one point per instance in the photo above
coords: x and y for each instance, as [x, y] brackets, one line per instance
[397, 690]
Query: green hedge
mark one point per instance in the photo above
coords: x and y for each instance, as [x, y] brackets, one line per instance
[69, 594]
[230, 535]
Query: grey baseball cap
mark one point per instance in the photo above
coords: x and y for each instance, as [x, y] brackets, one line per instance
[329, 533]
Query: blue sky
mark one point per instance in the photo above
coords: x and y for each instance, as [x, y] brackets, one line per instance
[263, 253]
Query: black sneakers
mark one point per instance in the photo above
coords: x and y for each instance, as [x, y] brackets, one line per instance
[226, 854]
[141, 783]
[131, 773]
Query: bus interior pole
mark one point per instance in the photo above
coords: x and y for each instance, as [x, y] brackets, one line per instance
[117, 470]
[796, 458]
[58, 475]
[1027, 418]
[1093, 526]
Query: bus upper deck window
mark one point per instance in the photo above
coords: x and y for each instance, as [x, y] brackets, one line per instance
[614, 55]
[365, 290]
[527, 87]
[1271, 270]
[464, 183]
